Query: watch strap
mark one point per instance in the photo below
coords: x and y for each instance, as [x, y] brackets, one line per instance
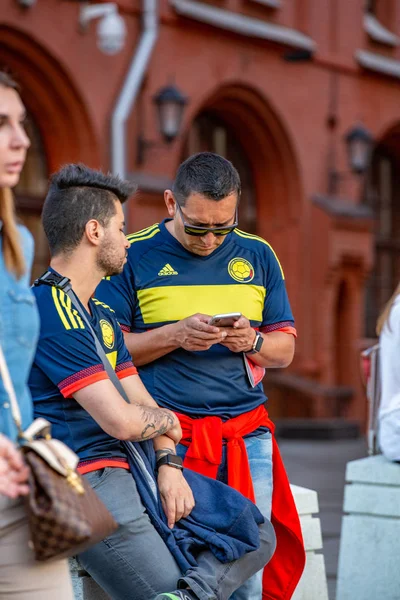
[172, 460]
[258, 342]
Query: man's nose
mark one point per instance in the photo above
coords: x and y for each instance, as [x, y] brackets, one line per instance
[208, 238]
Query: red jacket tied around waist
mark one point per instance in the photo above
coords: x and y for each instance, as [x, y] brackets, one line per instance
[204, 455]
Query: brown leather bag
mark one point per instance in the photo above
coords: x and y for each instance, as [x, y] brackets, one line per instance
[65, 514]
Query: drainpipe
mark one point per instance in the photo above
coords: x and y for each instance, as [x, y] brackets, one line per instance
[130, 89]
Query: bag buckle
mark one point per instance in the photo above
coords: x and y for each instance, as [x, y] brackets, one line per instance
[53, 279]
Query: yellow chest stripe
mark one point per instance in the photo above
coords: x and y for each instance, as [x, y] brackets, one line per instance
[112, 357]
[172, 303]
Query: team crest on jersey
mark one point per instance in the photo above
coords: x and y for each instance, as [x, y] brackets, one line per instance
[107, 333]
[241, 270]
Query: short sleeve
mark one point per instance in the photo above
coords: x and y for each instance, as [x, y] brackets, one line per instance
[69, 360]
[277, 314]
[118, 292]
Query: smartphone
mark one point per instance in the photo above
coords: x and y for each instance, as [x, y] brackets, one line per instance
[225, 319]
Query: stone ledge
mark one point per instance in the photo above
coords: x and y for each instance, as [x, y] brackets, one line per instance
[383, 501]
[373, 470]
[306, 500]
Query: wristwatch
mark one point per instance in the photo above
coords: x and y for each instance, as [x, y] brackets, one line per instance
[257, 344]
[172, 460]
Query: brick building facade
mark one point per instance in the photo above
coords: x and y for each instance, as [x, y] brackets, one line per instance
[272, 84]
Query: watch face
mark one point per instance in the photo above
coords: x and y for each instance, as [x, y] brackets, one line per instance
[259, 343]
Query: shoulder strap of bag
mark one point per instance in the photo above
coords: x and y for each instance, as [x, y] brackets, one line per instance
[63, 283]
[54, 279]
[8, 386]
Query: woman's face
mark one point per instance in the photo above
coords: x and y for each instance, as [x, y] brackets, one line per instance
[13, 140]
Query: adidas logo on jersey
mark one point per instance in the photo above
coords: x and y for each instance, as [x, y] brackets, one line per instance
[167, 270]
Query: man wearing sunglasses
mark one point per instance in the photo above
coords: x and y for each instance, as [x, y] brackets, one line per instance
[179, 273]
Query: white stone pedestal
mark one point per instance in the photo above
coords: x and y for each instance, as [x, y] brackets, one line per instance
[370, 538]
[313, 584]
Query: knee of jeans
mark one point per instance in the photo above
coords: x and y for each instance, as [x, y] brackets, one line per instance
[267, 542]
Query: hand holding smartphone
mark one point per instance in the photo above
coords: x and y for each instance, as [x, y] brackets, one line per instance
[225, 319]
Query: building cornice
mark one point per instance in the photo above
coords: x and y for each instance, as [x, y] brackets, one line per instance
[340, 207]
[242, 25]
[269, 3]
[378, 63]
[378, 32]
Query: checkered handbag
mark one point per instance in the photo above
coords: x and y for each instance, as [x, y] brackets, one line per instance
[65, 514]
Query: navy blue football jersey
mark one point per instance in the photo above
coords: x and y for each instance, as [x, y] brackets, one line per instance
[162, 283]
[66, 361]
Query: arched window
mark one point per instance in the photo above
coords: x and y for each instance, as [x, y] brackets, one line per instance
[209, 133]
[382, 194]
[30, 193]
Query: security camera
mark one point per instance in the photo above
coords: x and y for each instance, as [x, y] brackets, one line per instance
[111, 30]
[111, 33]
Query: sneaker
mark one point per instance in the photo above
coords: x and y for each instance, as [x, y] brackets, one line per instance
[177, 595]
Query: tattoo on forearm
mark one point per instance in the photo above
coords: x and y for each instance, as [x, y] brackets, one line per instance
[157, 422]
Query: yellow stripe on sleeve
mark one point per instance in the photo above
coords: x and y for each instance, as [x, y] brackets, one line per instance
[59, 309]
[250, 236]
[70, 312]
[173, 303]
[142, 232]
[144, 237]
[64, 301]
[75, 313]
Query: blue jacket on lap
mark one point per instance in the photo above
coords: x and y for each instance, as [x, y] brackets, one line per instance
[222, 520]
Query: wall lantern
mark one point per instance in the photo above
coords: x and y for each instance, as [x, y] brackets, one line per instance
[170, 105]
[359, 145]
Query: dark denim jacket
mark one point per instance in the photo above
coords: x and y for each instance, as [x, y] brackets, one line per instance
[19, 329]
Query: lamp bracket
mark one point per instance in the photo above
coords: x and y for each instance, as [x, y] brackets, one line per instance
[88, 12]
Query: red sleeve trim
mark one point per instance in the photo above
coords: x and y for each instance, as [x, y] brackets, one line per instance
[101, 463]
[122, 366]
[290, 330]
[69, 390]
[125, 328]
[285, 326]
[127, 372]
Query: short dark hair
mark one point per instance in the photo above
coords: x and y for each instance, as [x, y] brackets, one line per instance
[208, 174]
[76, 195]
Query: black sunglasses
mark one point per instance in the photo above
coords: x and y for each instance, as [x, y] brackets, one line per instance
[200, 231]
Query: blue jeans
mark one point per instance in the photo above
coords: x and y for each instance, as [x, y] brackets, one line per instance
[259, 452]
[134, 562]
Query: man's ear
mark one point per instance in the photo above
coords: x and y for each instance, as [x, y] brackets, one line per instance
[170, 203]
[94, 232]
